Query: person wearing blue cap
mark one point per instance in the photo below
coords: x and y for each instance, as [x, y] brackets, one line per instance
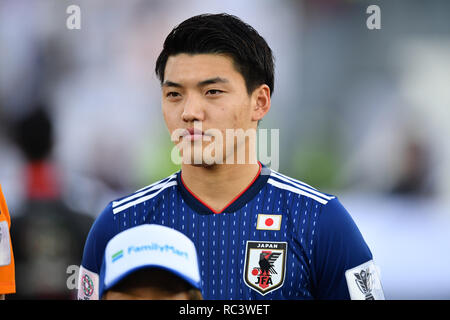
[150, 262]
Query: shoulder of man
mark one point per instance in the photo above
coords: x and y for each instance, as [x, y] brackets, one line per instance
[343, 264]
[102, 230]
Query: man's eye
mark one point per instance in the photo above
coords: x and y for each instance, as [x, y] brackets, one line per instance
[213, 92]
[172, 94]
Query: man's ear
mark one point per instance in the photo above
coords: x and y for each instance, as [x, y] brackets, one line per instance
[260, 102]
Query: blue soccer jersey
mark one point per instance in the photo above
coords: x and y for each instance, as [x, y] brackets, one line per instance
[278, 239]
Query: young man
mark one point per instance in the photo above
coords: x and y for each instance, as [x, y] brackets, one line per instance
[259, 234]
[7, 276]
[149, 262]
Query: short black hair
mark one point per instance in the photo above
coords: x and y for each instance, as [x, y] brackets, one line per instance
[222, 34]
[154, 277]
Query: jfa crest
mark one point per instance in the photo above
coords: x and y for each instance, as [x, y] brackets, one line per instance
[265, 264]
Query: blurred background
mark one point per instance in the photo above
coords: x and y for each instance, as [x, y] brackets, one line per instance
[363, 114]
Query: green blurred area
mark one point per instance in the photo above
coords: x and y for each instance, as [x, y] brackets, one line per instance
[316, 165]
[155, 163]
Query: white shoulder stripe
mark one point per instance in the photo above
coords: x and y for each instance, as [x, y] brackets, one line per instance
[138, 194]
[296, 190]
[157, 182]
[300, 185]
[292, 179]
[142, 199]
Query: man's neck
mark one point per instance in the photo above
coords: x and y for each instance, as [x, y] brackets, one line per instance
[218, 185]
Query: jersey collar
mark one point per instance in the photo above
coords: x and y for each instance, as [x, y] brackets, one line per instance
[238, 202]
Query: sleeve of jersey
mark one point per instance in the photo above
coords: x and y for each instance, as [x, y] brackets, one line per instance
[102, 230]
[341, 257]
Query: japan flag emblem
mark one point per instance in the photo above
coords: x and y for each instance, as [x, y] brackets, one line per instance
[268, 222]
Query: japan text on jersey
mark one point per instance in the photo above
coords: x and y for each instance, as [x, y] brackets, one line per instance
[280, 239]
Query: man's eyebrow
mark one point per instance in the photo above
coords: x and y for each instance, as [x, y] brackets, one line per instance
[168, 83]
[212, 81]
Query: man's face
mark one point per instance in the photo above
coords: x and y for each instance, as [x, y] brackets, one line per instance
[206, 89]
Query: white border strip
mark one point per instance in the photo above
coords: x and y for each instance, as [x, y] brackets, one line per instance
[142, 199]
[301, 185]
[295, 190]
[156, 185]
[157, 182]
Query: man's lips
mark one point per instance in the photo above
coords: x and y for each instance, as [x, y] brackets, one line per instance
[194, 131]
[192, 134]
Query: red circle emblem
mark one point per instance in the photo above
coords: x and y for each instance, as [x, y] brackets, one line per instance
[269, 222]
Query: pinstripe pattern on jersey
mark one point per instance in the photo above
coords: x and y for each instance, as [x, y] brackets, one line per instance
[221, 238]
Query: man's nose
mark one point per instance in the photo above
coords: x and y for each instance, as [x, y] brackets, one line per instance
[193, 110]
